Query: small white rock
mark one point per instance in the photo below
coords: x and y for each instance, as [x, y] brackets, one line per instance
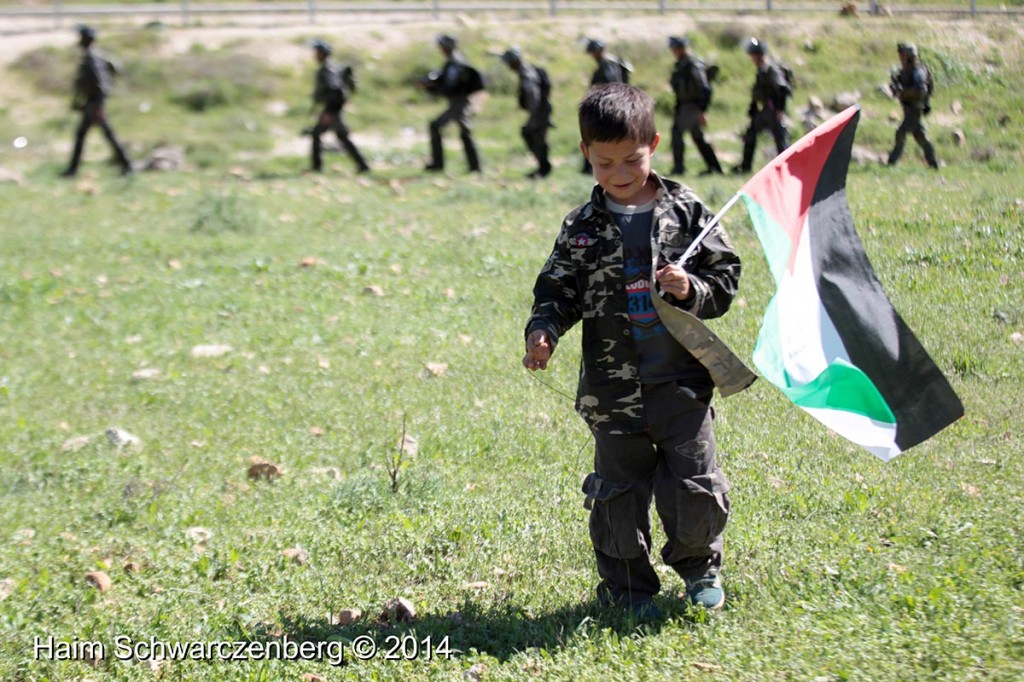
[75, 444]
[121, 439]
[198, 534]
[211, 350]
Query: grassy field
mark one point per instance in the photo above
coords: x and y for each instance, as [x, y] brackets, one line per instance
[360, 309]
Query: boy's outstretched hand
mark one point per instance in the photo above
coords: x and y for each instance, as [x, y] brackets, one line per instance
[674, 281]
[538, 351]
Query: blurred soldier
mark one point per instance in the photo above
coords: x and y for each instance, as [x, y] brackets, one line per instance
[772, 87]
[610, 69]
[334, 84]
[692, 87]
[93, 84]
[912, 85]
[456, 81]
[534, 97]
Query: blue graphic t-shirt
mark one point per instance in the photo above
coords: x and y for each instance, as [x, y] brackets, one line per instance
[661, 357]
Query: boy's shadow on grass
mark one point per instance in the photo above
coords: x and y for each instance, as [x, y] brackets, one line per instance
[500, 632]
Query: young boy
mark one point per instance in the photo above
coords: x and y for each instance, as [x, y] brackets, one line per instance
[644, 396]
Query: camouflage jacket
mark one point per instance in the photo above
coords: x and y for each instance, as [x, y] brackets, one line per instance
[532, 94]
[333, 84]
[610, 69]
[94, 79]
[584, 279]
[910, 85]
[452, 79]
[771, 89]
[690, 82]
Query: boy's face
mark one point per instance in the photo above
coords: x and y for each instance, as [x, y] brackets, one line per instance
[622, 168]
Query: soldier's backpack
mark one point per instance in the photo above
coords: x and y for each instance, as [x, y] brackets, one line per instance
[545, 82]
[711, 72]
[348, 79]
[472, 80]
[929, 88]
[929, 84]
[106, 70]
[788, 78]
[626, 69]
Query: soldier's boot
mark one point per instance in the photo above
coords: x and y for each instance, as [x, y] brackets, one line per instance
[122, 156]
[472, 158]
[76, 156]
[316, 161]
[544, 167]
[436, 150]
[115, 144]
[749, 143]
[361, 165]
[929, 153]
[781, 135]
[539, 147]
[897, 149]
[707, 152]
[678, 152]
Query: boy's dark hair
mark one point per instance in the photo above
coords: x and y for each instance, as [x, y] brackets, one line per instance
[617, 111]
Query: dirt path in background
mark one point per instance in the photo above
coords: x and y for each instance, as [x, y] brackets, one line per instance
[275, 37]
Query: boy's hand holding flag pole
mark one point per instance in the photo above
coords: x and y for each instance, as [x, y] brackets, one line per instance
[830, 339]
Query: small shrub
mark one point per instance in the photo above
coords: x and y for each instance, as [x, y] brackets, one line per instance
[966, 363]
[204, 80]
[726, 36]
[218, 210]
[49, 69]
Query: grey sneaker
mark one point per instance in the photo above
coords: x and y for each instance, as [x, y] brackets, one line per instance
[705, 591]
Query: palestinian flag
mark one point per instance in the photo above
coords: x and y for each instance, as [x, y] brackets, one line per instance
[830, 338]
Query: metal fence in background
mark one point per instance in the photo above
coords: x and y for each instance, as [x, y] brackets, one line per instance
[187, 12]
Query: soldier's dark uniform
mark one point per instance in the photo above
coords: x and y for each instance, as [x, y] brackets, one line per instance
[693, 95]
[651, 438]
[333, 85]
[93, 84]
[610, 69]
[767, 105]
[910, 85]
[534, 98]
[452, 82]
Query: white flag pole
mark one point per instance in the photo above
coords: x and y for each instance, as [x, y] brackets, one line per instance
[707, 228]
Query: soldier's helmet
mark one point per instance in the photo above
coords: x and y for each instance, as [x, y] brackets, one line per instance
[908, 49]
[86, 34]
[755, 46]
[594, 45]
[678, 42]
[446, 41]
[320, 46]
[512, 56]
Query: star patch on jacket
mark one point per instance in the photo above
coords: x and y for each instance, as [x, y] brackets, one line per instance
[582, 240]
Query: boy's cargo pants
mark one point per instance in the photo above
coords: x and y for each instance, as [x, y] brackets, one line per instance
[673, 461]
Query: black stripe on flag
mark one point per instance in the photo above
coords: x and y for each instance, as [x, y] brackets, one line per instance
[877, 339]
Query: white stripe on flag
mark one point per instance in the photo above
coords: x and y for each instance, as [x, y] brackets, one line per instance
[876, 437]
[809, 341]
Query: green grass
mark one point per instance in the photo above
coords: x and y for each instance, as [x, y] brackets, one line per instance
[838, 566]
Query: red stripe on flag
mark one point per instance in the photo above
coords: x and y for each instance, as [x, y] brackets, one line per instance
[785, 187]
